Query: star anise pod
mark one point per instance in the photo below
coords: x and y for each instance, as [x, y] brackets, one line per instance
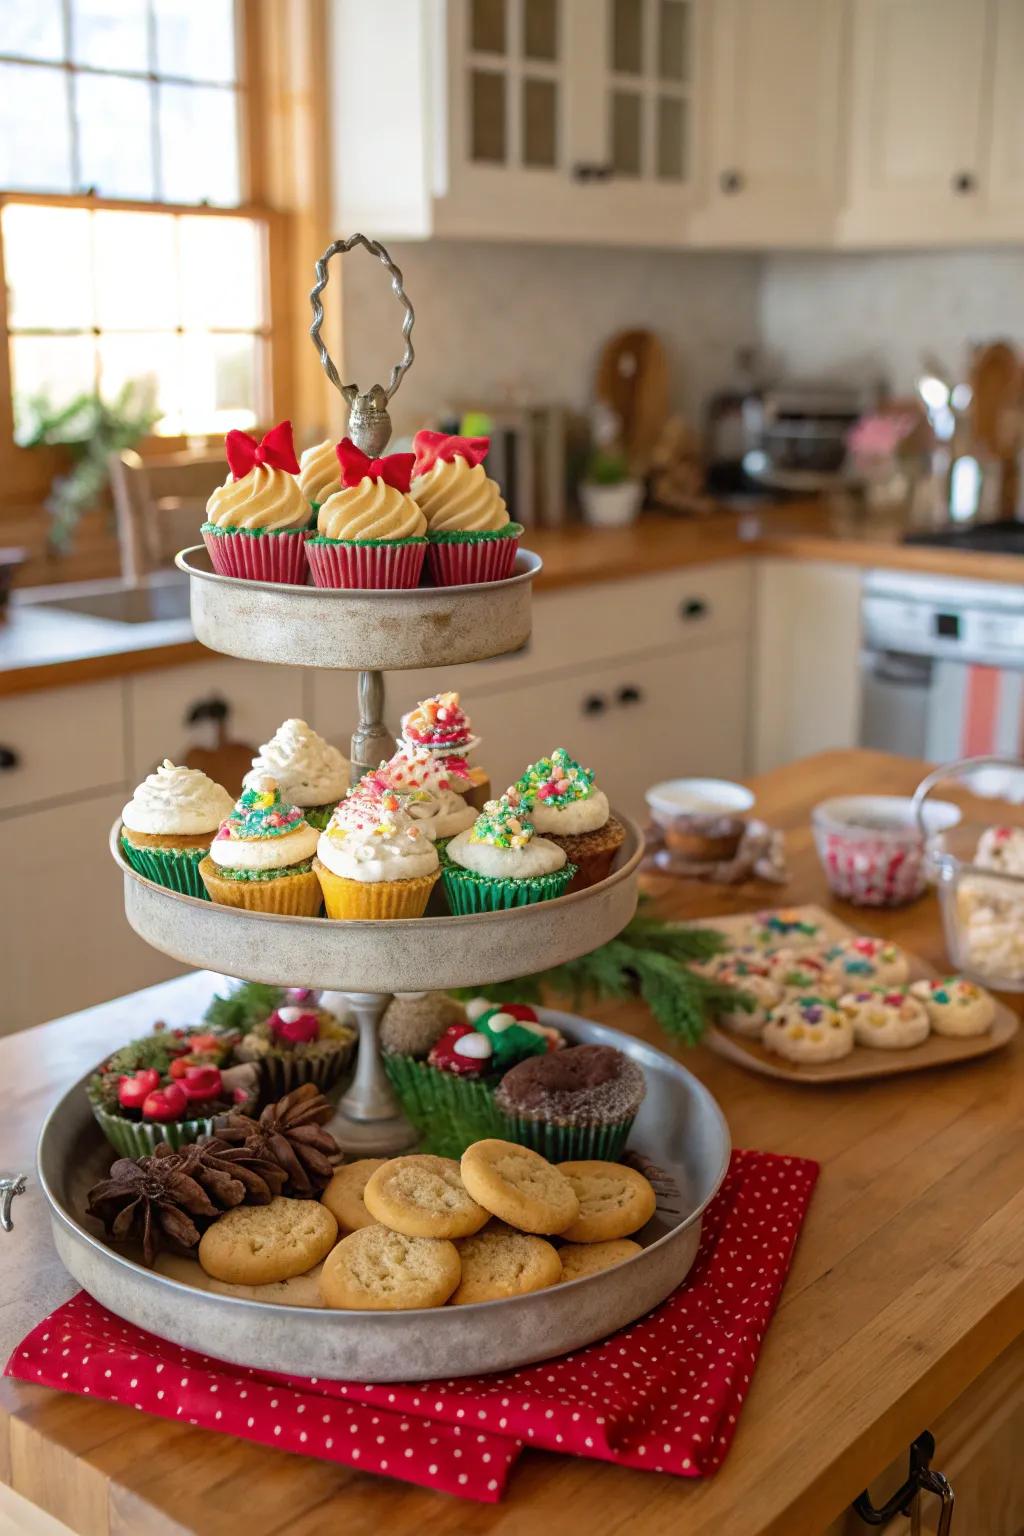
[151, 1199]
[260, 1177]
[291, 1134]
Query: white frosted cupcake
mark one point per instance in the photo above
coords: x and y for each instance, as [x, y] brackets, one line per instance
[309, 772]
[373, 861]
[500, 862]
[169, 823]
[261, 858]
[422, 781]
[565, 804]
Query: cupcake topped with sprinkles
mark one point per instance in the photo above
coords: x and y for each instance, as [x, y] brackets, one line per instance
[500, 862]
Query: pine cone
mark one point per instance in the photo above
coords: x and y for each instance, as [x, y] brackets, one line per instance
[150, 1199]
[290, 1134]
[260, 1177]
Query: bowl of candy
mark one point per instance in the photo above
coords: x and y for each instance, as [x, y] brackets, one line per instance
[979, 869]
[874, 848]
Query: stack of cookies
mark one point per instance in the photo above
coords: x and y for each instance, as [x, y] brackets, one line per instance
[813, 1001]
[425, 1231]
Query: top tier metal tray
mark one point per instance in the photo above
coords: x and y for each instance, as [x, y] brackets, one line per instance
[358, 630]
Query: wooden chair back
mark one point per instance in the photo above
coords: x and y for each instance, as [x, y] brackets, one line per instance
[159, 503]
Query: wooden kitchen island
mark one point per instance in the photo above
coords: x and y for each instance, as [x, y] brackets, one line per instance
[904, 1309]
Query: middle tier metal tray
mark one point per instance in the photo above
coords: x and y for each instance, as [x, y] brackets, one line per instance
[409, 955]
[680, 1129]
[358, 630]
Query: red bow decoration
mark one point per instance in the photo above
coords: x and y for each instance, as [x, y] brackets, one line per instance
[395, 469]
[276, 450]
[432, 447]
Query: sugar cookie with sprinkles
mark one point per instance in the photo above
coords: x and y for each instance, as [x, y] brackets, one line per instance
[808, 1030]
[886, 1020]
[799, 971]
[764, 993]
[956, 1007]
[867, 962]
[789, 926]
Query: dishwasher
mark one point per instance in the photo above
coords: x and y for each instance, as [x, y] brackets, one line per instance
[942, 666]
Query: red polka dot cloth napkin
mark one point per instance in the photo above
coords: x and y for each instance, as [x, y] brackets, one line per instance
[663, 1393]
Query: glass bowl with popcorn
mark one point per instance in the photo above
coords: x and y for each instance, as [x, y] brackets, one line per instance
[979, 867]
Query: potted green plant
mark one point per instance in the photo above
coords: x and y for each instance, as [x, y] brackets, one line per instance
[610, 495]
[90, 429]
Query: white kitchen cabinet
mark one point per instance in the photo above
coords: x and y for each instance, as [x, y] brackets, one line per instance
[806, 654]
[772, 172]
[60, 742]
[1005, 184]
[565, 120]
[919, 121]
[66, 942]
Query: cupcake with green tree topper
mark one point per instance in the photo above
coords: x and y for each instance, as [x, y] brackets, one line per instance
[500, 862]
[169, 823]
[470, 535]
[297, 1042]
[308, 770]
[257, 521]
[262, 857]
[169, 1086]
[370, 533]
[565, 805]
[424, 783]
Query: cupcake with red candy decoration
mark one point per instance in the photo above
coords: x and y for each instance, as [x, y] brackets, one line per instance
[298, 1042]
[441, 726]
[256, 522]
[371, 533]
[426, 790]
[471, 537]
[168, 1086]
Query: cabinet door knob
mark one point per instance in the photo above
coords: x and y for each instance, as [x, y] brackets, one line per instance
[595, 704]
[629, 693]
[588, 170]
[731, 182]
[692, 608]
[964, 182]
[9, 759]
[213, 708]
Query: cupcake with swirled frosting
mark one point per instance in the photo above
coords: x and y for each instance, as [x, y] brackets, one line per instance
[371, 533]
[309, 772]
[373, 861]
[427, 792]
[470, 535]
[319, 473]
[262, 856]
[257, 521]
[500, 862]
[169, 823]
[566, 805]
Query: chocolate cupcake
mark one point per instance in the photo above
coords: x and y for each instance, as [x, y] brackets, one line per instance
[576, 1103]
[566, 806]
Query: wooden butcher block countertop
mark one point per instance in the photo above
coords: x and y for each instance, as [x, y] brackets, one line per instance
[907, 1285]
[42, 649]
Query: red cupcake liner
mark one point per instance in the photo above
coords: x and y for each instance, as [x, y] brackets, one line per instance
[393, 566]
[277, 557]
[456, 565]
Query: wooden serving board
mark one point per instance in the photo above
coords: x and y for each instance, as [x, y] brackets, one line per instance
[862, 1062]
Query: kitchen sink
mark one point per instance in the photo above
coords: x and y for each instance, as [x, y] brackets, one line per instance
[1003, 537]
[153, 603]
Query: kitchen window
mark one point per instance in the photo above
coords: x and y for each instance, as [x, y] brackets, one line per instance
[128, 254]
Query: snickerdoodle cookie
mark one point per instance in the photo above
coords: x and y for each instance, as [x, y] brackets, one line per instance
[343, 1196]
[377, 1270]
[580, 1259]
[614, 1201]
[500, 1263]
[258, 1244]
[519, 1186]
[423, 1196]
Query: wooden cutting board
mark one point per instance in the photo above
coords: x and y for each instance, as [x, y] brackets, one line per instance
[862, 1062]
[633, 378]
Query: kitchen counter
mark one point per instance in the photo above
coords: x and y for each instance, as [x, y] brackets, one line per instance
[40, 648]
[907, 1288]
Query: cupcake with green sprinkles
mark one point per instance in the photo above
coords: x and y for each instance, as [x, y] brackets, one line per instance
[169, 823]
[566, 806]
[500, 862]
[262, 856]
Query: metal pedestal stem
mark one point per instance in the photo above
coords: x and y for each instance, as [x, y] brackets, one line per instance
[368, 1120]
[372, 742]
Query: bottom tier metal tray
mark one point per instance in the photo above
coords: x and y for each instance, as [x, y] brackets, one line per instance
[680, 1129]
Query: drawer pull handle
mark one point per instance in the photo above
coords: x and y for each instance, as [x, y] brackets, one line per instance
[213, 708]
[630, 694]
[9, 759]
[595, 704]
[964, 182]
[731, 182]
[692, 608]
[906, 1500]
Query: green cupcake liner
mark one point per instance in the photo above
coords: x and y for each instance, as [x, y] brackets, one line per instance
[174, 869]
[449, 1113]
[566, 1143]
[282, 1074]
[138, 1138]
[469, 892]
[457, 536]
[319, 815]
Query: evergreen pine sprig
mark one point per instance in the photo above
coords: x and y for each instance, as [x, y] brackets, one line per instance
[245, 1005]
[649, 957]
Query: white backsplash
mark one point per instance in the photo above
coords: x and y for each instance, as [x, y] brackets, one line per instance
[821, 314]
[529, 320]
